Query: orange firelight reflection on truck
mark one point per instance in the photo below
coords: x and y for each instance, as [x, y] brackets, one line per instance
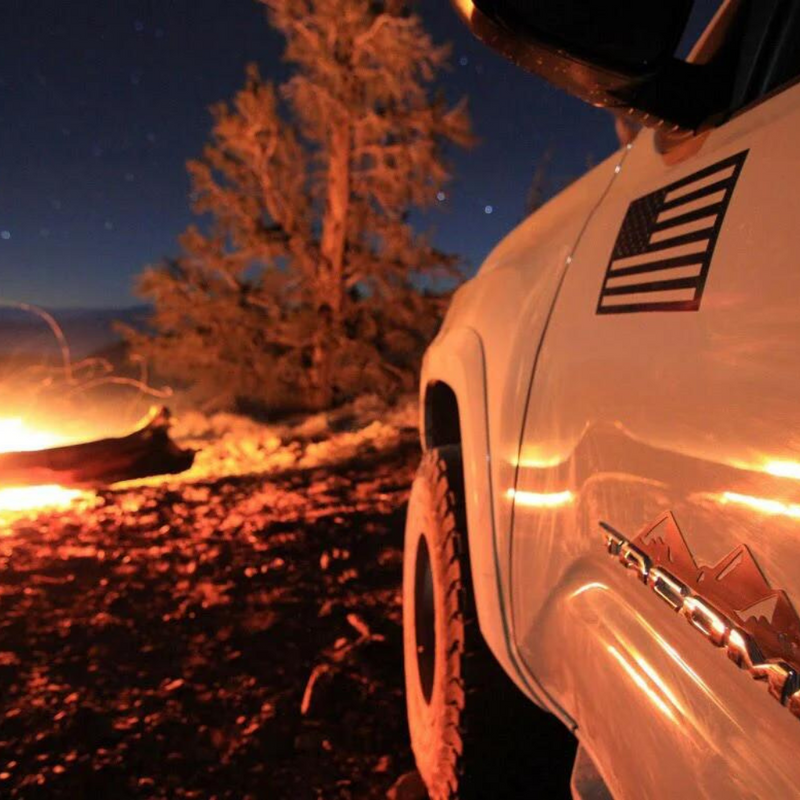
[540, 500]
[777, 467]
[763, 505]
[465, 8]
[783, 469]
[642, 683]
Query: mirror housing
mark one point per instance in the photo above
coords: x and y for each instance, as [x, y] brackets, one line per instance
[614, 55]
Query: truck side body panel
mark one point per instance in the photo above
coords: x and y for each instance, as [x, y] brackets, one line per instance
[485, 352]
[649, 411]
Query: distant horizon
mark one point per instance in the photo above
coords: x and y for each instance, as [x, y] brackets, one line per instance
[87, 330]
[10, 305]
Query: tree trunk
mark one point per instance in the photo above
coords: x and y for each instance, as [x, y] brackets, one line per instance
[331, 288]
[321, 372]
[334, 224]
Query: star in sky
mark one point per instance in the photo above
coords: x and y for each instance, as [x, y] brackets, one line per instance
[104, 103]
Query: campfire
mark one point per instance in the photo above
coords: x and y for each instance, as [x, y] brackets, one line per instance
[17, 499]
[17, 435]
[39, 469]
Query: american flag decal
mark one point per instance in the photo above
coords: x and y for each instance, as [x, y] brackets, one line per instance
[663, 251]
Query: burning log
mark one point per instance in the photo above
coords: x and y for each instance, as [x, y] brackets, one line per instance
[145, 452]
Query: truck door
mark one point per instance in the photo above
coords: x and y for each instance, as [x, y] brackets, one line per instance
[665, 407]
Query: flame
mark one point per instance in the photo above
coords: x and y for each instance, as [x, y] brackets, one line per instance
[29, 498]
[15, 436]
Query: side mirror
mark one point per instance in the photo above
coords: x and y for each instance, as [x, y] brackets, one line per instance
[617, 54]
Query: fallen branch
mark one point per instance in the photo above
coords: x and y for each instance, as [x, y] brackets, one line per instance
[147, 451]
[316, 674]
[336, 655]
[72, 377]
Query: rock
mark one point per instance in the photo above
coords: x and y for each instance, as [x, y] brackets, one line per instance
[408, 787]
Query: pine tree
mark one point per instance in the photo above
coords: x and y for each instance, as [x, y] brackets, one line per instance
[304, 288]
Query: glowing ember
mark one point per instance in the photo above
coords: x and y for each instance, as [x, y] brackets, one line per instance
[16, 435]
[28, 498]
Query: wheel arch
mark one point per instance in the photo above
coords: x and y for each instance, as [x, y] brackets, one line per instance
[453, 410]
[442, 423]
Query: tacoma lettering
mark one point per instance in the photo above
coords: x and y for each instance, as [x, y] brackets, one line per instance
[782, 678]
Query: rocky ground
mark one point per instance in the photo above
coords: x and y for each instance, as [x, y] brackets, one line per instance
[236, 634]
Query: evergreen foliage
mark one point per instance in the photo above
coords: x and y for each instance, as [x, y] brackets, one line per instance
[304, 288]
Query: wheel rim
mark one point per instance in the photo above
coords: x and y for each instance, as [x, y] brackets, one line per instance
[424, 618]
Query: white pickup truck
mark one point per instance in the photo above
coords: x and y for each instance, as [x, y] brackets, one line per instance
[607, 512]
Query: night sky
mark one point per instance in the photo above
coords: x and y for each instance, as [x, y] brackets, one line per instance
[103, 102]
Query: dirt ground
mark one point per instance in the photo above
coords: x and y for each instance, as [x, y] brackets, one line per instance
[237, 638]
[220, 637]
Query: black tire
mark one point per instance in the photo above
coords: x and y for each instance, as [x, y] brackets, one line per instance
[473, 733]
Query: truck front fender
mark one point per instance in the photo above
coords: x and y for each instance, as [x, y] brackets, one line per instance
[456, 358]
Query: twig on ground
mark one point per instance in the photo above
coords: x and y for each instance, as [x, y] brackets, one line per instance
[316, 674]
